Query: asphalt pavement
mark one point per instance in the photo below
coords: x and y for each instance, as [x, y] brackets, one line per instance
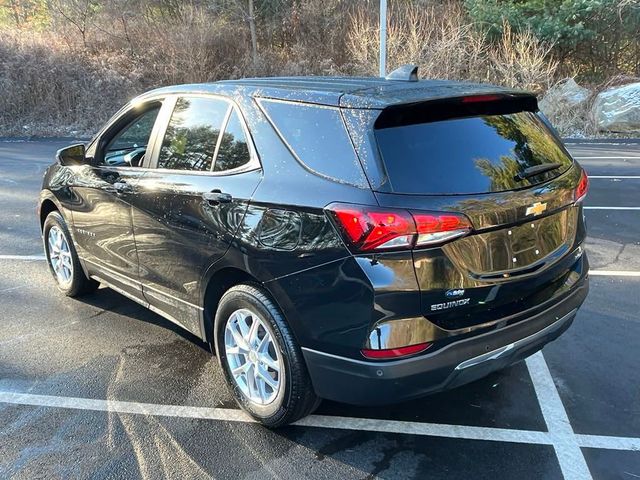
[99, 387]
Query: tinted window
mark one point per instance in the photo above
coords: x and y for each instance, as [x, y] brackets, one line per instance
[318, 137]
[234, 151]
[469, 155]
[129, 145]
[190, 140]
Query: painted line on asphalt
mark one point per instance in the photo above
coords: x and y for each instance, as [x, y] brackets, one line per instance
[570, 457]
[9, 289]
[318, 421]
[614, 273]
[22, 257]
[609, 443]
[612, 208]
[596, 142]
[627, 157]
[621, 177]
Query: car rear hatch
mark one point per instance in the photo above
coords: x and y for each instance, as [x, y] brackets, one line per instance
[491, 159]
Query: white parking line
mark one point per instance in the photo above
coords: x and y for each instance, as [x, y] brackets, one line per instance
[587, 144]
[320, 421]
[9, 289]
[621, 177]
[614, 273]
[21, 257]
[612, 208]
[565, 443]
[627, 157]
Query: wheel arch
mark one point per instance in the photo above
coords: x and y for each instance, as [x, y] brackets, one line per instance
[217, 284]
[46, 207]
[49, 203]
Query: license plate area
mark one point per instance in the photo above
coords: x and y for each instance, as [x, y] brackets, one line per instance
[514, 248]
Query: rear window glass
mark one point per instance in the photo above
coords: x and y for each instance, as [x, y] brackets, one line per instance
[469, 155]
[318, 138]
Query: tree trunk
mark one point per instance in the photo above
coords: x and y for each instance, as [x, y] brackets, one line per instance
[252, 29]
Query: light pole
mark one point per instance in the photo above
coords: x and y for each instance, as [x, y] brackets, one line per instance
[383, 38]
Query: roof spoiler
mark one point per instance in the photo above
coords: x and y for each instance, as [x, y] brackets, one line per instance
[405, 73]
[470, 105]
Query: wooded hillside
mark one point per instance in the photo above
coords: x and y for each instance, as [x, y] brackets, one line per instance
[67, 65]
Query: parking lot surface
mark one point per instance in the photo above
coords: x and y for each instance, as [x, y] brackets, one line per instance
[100, 387]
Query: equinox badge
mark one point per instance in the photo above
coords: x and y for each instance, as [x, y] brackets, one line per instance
[445, 306]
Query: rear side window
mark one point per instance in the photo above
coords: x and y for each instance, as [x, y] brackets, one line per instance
[192, 134]
[317, 137]
[234, 149]
[469, 155]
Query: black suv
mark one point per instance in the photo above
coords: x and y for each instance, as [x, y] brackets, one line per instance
[364, 240]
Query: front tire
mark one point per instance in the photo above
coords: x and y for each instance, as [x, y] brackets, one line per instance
[261, 360]
[62, 258]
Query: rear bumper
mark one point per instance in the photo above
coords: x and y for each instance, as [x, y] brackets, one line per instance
[376, 383]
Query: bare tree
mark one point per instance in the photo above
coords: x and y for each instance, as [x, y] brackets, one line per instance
[252, 30]
[78, 13]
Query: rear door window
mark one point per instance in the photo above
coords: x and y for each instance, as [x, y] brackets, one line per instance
[233, 151]
[469, 155]
[192, 134]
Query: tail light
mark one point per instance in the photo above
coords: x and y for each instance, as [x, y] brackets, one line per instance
[582, 188]
[481, 98]
[369, 228]
[393, 353]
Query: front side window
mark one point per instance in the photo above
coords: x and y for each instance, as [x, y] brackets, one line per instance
[129, 146]
[234, 150]
[192, 134]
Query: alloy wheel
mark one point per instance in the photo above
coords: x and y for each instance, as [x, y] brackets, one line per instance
[253, 357]
[60, 255]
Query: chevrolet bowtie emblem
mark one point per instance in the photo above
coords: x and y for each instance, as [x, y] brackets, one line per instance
[536, 209]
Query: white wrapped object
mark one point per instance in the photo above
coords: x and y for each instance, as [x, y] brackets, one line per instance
[618, 109]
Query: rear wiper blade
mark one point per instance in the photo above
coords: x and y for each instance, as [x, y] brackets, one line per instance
[536, 170]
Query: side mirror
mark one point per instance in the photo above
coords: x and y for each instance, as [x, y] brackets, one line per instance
[71, 155]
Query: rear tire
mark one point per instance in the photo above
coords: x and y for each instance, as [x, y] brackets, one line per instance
[260, 358]
[62, 258]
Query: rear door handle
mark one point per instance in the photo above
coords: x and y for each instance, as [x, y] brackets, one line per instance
[216, 197]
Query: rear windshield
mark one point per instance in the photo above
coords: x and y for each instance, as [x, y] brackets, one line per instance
[470, 155]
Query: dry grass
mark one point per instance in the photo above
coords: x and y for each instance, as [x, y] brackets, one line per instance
[445, 45]
[521, 60]
[49, 87]
[55, 81]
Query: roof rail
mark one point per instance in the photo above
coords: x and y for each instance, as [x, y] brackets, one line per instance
[405, 73]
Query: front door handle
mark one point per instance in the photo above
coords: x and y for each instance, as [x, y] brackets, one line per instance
[122, 187]
[216, 197]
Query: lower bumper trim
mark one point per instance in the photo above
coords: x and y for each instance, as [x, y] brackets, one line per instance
[502, 351]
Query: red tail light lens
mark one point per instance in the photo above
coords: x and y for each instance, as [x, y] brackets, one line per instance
[437, 228]
[392, 353]
[370, 228]
[582, 189]
[375, 229]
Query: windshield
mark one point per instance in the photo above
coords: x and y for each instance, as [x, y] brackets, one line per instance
[483, 154]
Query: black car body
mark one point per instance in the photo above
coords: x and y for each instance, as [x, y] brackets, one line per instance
[413, 235]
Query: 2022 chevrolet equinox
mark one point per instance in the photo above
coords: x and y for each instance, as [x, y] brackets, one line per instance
[364, 240]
